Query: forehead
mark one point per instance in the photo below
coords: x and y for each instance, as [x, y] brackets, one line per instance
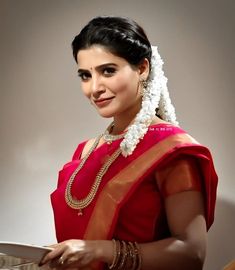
[97, 55]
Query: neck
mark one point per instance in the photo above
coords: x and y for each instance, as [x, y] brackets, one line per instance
[120, 126]
[122, 121]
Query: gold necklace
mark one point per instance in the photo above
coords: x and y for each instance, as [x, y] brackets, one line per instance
[83, 203]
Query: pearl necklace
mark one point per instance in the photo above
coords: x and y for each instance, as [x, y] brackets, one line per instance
[83, 203]
[109, 138]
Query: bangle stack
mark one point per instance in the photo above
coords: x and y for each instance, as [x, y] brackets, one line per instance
[126, 256]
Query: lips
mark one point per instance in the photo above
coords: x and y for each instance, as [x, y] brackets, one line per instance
[102, 99]
[101, 102]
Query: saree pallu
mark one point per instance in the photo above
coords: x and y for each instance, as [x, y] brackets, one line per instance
[129, 203]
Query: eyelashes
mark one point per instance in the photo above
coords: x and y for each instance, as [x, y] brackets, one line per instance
[109, 71]
[106, 72]
[84, 75]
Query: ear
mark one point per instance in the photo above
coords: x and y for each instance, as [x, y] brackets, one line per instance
[143, 69]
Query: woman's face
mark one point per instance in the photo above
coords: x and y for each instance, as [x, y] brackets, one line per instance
[109, 82]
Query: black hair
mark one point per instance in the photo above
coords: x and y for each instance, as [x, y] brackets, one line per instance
[121, 36]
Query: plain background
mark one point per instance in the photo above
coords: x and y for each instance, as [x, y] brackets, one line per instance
[43, 114]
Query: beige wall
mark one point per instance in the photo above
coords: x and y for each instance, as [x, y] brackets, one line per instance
[43, 114]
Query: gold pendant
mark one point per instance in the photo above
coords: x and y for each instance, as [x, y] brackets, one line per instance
[80, 212]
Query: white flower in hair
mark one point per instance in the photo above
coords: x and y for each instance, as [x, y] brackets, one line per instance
[156, 96]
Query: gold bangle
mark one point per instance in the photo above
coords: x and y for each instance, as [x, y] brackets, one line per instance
[139, 257]
[130, 257]
[124, 255]
[117, 254]
[114, 254]
[134, 256]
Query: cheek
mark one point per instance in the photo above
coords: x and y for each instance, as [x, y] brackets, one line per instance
[125, 84]
[85, 90]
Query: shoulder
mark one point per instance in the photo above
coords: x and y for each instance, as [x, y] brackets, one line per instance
[169, 142]
[179, 174]
[165, 131]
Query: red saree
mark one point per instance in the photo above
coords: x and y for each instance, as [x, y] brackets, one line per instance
[129, 204]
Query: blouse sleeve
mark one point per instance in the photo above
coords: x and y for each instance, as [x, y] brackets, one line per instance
[181, 174]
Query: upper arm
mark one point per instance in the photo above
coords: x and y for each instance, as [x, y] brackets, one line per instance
[180, 185]
[185, 216]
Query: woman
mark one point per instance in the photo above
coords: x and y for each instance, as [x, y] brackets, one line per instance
[141, 195]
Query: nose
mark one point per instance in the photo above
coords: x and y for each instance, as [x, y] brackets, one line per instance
[97, 87]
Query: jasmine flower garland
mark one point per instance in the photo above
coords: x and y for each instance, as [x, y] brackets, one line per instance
[156, 96]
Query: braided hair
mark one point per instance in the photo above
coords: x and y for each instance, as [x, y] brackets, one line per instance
[121, 36]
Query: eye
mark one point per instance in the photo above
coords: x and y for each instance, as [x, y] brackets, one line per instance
[109, 71]
[84, 75]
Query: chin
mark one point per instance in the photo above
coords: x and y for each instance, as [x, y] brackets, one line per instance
[105, 113]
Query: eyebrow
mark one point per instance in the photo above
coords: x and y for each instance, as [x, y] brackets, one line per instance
[80, 70]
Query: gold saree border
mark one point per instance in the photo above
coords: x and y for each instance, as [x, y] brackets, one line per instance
[118, 187]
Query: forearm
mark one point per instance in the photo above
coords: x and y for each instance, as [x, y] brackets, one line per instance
[170, 253]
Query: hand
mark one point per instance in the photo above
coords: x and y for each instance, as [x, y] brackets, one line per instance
[77, 254]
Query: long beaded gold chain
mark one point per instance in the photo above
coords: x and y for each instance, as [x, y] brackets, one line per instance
[83, 203]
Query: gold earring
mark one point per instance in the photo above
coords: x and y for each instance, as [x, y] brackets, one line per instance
[144, 85]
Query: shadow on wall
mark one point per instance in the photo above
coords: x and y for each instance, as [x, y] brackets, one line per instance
[221, 248]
